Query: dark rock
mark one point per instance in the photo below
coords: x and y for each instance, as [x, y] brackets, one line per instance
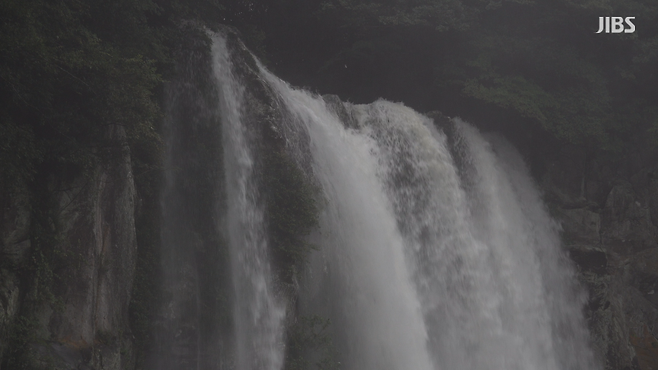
[626, 224]
[591, 261]
[610, 234]
[14, 247]
[337, 106]
[440, 120]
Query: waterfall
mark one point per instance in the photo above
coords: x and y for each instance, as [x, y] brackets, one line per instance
[374, 298]
[433, 251]
[258, 313]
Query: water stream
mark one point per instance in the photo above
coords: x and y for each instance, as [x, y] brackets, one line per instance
[433, 252]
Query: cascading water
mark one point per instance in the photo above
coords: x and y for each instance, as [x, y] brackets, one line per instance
[258, 313]
[434, 252]
[374, 300]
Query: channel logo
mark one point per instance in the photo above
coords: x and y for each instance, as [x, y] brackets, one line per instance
[616, 25]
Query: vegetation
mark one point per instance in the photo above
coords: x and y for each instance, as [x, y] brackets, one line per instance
[68, 70]
[535, 62]
[71, 69]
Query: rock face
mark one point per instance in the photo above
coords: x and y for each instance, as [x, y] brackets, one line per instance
[609, 220]
[195, 272]
[14, 229]
[99, 232]
[86, 325]
[609, 215]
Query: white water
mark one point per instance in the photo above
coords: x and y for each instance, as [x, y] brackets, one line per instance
[424, 263]
[376, 302]
[258, 313]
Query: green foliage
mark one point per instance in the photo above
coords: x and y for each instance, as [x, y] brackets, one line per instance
[575, 109]
[537, 63]
[514, 92]
[438, 14]
[70, 70]
[557, 79]
[66, 76]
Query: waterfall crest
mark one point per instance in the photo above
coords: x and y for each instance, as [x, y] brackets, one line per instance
[433, 251]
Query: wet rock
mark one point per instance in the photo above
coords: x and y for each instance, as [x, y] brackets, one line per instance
[96, 236]
[99, 236]
[337, 106]
[610, 234]
[14, 247]
[594, 261]
[580, 225]
[626, 224]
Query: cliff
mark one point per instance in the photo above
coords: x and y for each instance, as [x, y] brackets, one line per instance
[608, 209]
[65, 292]
[69, 251]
